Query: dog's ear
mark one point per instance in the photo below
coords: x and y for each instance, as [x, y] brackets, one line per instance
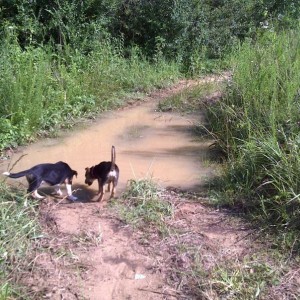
[86, 169]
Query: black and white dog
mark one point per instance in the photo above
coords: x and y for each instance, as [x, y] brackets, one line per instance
[52, 174]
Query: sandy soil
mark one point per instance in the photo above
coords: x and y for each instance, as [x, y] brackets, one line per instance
[91, 254]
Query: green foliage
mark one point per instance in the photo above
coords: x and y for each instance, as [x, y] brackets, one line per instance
[257, 125]
[41, 91]
[197, 34]
[17, 227]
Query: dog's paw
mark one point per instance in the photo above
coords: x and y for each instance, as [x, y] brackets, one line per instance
[58, 193]
[72, 198]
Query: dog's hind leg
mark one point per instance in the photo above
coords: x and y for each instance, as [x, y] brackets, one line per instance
[114, 187]
[34, 184]
[58, 190]
[108, 186]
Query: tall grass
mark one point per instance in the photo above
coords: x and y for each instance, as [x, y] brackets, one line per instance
[42, 90]
[257, 126]
[17, 228]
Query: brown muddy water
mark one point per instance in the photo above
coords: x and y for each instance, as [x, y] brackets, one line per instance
[149, 144]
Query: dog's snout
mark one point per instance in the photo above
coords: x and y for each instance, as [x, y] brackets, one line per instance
[88, 182]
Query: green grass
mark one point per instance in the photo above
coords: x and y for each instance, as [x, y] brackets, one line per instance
[18, 228]
[42, 91]
[142, 207]
[257, 127]
[190, 99]
[250, 278]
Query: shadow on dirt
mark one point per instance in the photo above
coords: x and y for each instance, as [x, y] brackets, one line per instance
[82, 192]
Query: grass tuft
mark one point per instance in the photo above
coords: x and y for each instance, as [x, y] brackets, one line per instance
[142, 207]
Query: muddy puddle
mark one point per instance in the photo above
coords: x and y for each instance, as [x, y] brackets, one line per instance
[149, 144]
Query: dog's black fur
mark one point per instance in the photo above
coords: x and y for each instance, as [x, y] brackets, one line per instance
[105, 172]
[52, 174]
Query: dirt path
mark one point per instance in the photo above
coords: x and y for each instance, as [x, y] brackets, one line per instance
[89, 253]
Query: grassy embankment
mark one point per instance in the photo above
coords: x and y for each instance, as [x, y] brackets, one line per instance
[42, 91]
[257, 127]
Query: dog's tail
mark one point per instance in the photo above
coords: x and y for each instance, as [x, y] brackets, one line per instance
[113, 158]
[16, 175]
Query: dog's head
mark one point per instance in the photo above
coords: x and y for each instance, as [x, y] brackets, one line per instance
[70, 178]
[88, 176]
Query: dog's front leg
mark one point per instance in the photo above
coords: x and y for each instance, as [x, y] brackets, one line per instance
[36, 195]
[100, 186]
[69, 191]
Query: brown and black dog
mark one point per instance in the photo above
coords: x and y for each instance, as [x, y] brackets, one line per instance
[105, 172]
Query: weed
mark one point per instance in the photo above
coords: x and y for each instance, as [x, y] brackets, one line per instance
[18, 227]
[142, 207]
[87, 238]
[134, 132]
[246, 279]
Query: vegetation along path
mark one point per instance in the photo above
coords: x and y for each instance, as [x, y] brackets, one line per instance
[91, 250]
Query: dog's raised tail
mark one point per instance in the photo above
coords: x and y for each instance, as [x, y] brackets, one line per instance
[113, 158]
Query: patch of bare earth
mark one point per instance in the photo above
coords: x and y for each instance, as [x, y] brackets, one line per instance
[88, 253]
